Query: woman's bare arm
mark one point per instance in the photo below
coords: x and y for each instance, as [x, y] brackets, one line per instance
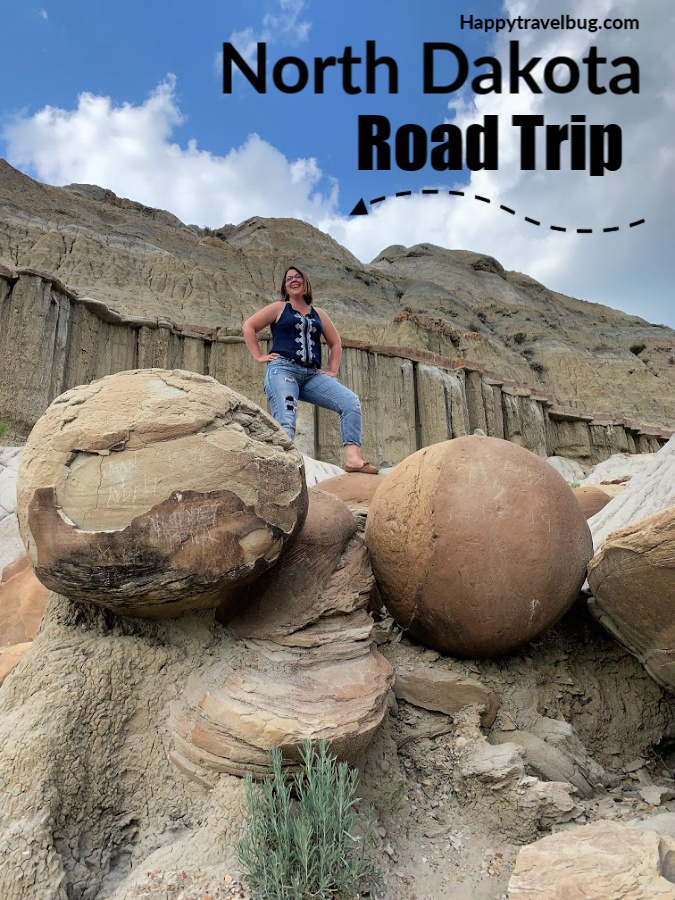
[256, 323]
[332, 338]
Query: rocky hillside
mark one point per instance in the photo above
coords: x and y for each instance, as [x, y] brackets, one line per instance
[456, 303]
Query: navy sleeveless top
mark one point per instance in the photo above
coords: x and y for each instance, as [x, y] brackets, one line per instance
[297, 337]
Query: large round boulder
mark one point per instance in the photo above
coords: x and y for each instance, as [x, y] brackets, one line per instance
[151, 492]
[477, 545]
[591, 499]
[354, 489]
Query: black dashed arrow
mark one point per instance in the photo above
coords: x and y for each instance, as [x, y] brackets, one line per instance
[361, 210]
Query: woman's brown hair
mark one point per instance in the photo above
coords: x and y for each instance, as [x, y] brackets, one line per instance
[283, 293]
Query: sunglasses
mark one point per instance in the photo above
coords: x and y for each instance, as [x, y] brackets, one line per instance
[294, 278]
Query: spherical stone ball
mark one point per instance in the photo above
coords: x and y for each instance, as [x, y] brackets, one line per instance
[151, 492]
[477, 545]
[591, 499]
[354, 489]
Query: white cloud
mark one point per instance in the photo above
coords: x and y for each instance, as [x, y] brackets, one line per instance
[44, 14]
[285, 26]
[630, 269]
[128, 149]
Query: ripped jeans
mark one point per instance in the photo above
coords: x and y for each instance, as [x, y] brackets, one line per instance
[287, 382]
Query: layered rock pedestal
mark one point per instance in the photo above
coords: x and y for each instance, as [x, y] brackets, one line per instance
[151, 492]
[305, 666]
[478, 545]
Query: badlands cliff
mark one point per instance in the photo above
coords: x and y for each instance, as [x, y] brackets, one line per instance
[438, 342]
[177, 293]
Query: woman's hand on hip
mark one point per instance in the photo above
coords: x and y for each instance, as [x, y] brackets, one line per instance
[326, 372]
[268, 357]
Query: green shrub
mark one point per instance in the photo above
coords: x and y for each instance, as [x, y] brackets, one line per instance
[637, 348]
[474, 326]
[3, 429]
[306, 849]
[519, 337]
[536, 365]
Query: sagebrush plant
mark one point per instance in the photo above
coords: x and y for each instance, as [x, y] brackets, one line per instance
[3, 429]
[307, 847]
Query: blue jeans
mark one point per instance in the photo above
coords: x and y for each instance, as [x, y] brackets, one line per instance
[287, 382]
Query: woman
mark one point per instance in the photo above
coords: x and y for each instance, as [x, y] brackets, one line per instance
[294, 364]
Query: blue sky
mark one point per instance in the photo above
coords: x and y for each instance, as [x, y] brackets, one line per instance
[124, 50]
[129, 96]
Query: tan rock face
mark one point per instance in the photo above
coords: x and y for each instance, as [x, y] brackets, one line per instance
[442, 691]
[603, 861]
[22, 603]
[309, 583]
[633, 583]
[305, 666]
[152, 491]
[591, 499]
[11, 657]
[477, 545]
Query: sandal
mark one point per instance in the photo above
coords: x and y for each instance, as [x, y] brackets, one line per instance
[366, 469]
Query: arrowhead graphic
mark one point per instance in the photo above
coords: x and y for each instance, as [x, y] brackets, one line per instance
[359, 209]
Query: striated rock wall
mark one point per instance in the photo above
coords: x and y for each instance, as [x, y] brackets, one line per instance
[144, 262]
[52, 340]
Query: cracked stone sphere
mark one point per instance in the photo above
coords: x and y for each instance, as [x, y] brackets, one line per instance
[477, 545]
[152, 492]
